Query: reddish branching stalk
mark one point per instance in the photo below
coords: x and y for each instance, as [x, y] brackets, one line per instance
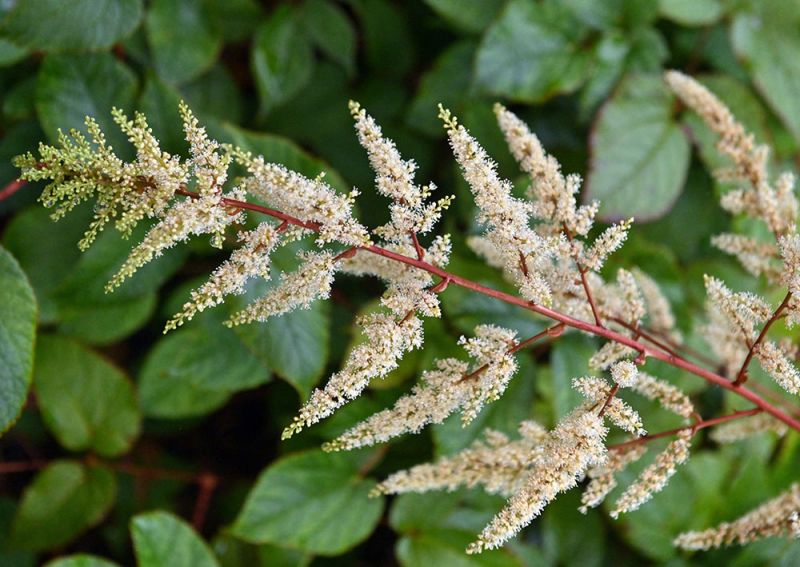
[611, 394]
[694, 428]
[585, 283]
[553, 331]
[741, 376]
[417, 246]
[7, 191]
[594, 329]
[207, 483]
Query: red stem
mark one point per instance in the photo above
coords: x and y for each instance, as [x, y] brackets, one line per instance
[585, 282]
[417, 247]
[12, 188]
[741, 376]
[207, 483]
[594, 329]
[695, 428]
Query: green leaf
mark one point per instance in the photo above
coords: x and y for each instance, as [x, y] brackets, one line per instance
[64, 500]
[281, 59]
[331, 31]
[215, 94]
[70, 285]
[17, 335]
[8, 555]
[572, 538]
[701, 482]
[54, 25]
[313, 501]
[236, 553]
[195, 370]
[236, 20]
[161, 539]
[10, 53]
[294, 345]
[467, 15]
[532, 52]
[86, 402]
[447, 82]
[71, 87]
[691, 12]
[181, 38]
[436, 533]
[446, 547]
[767, 42]
[81, 560]
[384, 27]
[640, 156]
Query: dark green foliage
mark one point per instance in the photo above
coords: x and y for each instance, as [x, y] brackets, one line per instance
[116, 420]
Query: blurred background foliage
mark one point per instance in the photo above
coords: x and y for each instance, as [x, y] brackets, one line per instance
[133, 446]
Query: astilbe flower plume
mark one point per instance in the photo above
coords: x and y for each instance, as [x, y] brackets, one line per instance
[543, 246]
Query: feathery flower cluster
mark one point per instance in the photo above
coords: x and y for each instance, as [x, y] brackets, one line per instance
[298, 289]
[523, 252]
[543, 261]
[656, 475]
[552, 194]
[775, 363]
[395, 179]
[389, 335]
[541, 245]
[576, 444]
[597, 391]
[251, 259]
[448, 388]
[498, 464]
[733, 320]
[775, 205]
[602, 478]
[778, 517]
[312, 200]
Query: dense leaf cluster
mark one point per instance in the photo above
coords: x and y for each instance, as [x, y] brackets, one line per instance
[113, 432]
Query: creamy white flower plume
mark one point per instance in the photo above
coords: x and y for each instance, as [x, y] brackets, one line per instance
[250, 260]
[452, 386]
[659, 311]
[507, 218]
[576, 444]
[739, 429]
[553, 194]
[495, 366]
[298, 289]
[602, 480]
[778, 517]
[440, 392]
[309, 199]
[597, 390]
[609, 241]
[395, 179]
[755, 256]
[776, 206]
[775, 363]
[655, 476]
[497, 464]
[182, 220]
